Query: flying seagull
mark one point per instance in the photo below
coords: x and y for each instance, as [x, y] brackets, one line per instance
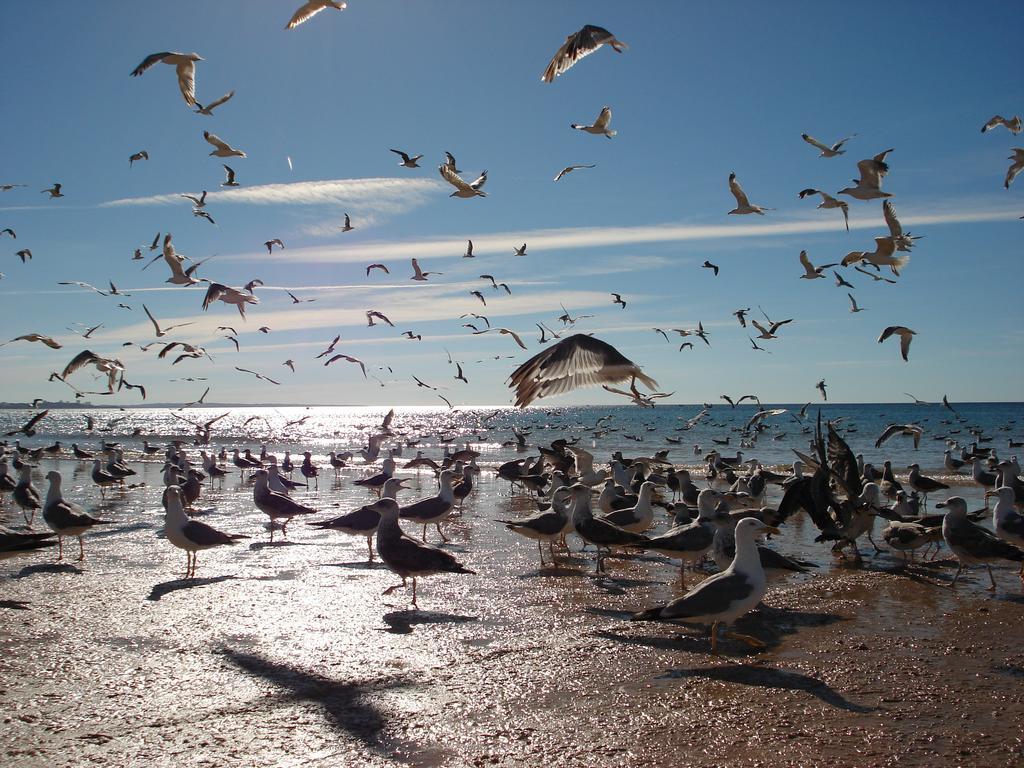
[903, 241]
[469, 250]
[222, 148]
[599, 126]
[419, 274]
[143, 155]
[1013, 125]
[347, 227]
[53, 191]
[853, 304]
[812, 272]
[381, 267]
[239, 297]
[906, 336]
[505, 331]
[742, 203]
[578, 45]
[38, 337]
[827, 201]
[570, 169]
[1011, 172]
[407, 161]
[111, 367]
[577, 361]
[208, 109]
[230, 180]
[348, 358]
[257, 375]
[617, 299]
[869, 185]
[827, 151]
[882, 256]
[462, 189]
[271, 243]
[311, 8]
[197, 202]
[379, 315]
[161, 332]
[185, 66]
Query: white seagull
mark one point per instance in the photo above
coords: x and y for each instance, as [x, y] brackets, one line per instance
[812, 272]
[600, 126]
[827, 201]
[1011, 172]
[570, 169]
[903, 241]
[1013, 125]
[742, 203]
[185, 66]
[462, 189]
[827, 151]
[223, 149]
[208, 109]
[311, 8]
[882, 256]
[419, 274]
[869, 185]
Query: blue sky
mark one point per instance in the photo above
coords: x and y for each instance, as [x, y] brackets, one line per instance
[704, 89]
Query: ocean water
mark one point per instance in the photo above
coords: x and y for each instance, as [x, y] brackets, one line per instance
[601, 429]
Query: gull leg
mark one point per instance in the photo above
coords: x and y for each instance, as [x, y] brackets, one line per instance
[714, 638]
[991, 578]
[682, 575]
[60, 548]
[540, 549]
[957, 576]
[81, 552]
[753, 642]
[877, 550]
[554, 560]
[424, 532]
[414, 604]
[369, 546]
[443, 537]
[389, 590]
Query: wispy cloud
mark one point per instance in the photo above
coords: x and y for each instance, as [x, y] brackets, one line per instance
[386, 195]
[596, 237]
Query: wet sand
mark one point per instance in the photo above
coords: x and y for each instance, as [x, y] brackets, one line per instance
[287, 655]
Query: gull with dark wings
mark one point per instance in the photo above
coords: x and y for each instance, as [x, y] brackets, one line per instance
[577, 46]
[577, 361]
[906, 336]
[827, 201]
[111, 367]
[185, 67]
[238, 297]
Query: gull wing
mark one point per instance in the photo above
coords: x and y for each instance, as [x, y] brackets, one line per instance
[603, 119]
[577, 46]
[215, 140]
[889, 212]
[456, 181]
[187, 81]
[737, 192]
[149, 61]
[815, 143]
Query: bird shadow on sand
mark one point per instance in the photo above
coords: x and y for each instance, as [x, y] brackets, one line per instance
[402, 622]
[360, 565]
[15, 605]
[345, 704]
[258, 545]
[30, 570]
[1012, 670]
[756, 675]
[166, 587]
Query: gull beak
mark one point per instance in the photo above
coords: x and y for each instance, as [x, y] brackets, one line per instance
[990, 494]
[772, 529]
[940, 504]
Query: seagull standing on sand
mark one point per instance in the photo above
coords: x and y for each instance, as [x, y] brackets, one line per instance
[191, 535]
[578, 45]
[743, 205]
[406, 556]
[185, 66]
[906, 336]
[726, 596]
[971, 543]
[66, 518]
[599, 126]
[576, 361]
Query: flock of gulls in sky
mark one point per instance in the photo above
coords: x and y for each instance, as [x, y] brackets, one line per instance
[841, 494]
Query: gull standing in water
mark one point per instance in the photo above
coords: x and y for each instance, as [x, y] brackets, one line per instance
[600, 125]
[971, 543]
[576, 361]
[66, 518]
[406, 556]
[827, 201]
[276, 505]
[185, 66]
[742, 203]
[1007, 522]
[191, 535]
[435, 509]
[25, 495]
[363, 521]
[578, 45]
[726, 596]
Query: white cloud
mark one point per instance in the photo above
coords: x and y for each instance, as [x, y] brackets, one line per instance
[597, 237]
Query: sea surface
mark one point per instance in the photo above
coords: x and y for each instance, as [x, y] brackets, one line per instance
[489, 430]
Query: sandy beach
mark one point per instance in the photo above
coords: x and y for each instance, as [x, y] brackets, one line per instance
[287, 654]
